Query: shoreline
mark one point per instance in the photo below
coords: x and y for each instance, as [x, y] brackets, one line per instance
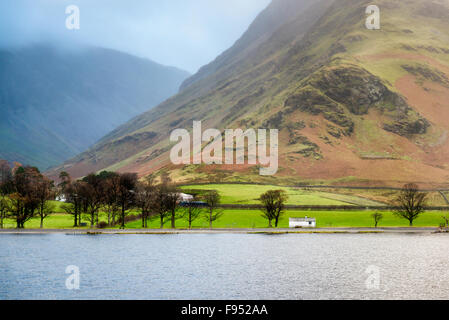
[386, 230]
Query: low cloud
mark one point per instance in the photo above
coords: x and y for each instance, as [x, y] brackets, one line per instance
[186, 34]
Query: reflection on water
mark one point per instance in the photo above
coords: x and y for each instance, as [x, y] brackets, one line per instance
[228, 266]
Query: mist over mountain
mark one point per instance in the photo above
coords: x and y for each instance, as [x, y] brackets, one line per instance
[56, 102]
[353, 105]
[186, 34]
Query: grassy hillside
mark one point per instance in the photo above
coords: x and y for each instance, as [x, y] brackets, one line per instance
[353, 106]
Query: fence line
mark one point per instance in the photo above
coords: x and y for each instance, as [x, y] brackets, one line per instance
[326, 208]
[299, 186]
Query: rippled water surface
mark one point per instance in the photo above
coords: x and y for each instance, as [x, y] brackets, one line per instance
[228, 266]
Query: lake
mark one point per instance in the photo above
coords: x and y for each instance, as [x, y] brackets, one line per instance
[226, 266]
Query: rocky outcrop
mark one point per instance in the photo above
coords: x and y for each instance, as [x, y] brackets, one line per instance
[312, 101]
[355, 88]
[406, 128]
[338, 92]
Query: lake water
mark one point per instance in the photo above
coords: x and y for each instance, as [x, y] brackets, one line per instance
[226, 266]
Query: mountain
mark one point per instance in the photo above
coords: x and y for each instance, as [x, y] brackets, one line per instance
[353, 106]
[55, 103]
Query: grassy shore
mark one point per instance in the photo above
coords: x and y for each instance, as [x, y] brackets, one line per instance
[253, 219]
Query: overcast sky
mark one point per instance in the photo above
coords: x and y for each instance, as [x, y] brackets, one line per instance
[182, 33]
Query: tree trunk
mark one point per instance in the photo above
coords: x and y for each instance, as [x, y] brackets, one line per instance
[123, 217]
[210, 219]
[42, 222]
[92, 220]
[190, 218]
[162, 222]
[173, 219]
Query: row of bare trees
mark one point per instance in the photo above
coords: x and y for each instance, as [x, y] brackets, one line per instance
[25, 193]
[117, 194]
[113, 192]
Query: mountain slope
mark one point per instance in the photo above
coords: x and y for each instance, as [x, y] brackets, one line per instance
[55, 103]
[279, 12]
[353, 106]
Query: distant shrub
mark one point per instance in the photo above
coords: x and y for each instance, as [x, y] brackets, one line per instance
[132, 217]
[102, 225]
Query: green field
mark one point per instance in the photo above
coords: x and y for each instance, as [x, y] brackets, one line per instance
[248, 194]
[252, 219]
[245, 218]
[55, 221]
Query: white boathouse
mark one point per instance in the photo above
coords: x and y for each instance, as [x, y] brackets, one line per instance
[302, 222]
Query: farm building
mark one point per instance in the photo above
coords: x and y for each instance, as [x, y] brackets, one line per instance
[185, 197]
[302, 222]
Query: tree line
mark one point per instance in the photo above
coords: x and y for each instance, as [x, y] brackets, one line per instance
[25, 193]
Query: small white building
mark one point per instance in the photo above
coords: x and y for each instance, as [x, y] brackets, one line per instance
[61, 198]
[302, 222]
[185, 197]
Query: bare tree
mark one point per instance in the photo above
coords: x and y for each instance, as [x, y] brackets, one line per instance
[273, 202]
[192, 211]
[145, 194]
[410, 202]
[377, 216]
[159, 204]
[44, 193]
[73, 193]
[172, 200]
[92, 196]
[111, 187]
[213, 213]
[126, 194]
